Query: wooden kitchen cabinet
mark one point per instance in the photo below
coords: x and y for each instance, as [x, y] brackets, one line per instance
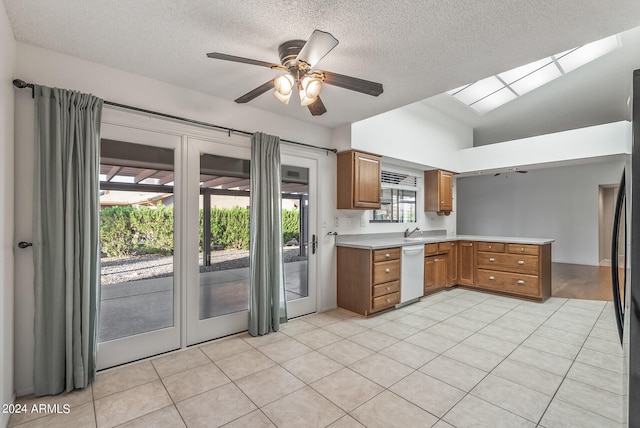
[438, 192]
[358, 180]
[466, 263]
[451, 250]
[368, 280]
[521, 269]
[435, 273]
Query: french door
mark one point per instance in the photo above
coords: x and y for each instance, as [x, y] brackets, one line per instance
[174, 240]
[141, 224]
[217, 256]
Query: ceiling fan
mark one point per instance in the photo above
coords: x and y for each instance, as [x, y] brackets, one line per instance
[297, 59]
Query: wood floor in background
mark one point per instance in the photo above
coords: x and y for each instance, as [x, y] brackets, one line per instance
[581, 282]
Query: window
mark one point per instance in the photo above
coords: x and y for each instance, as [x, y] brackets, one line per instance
[398, 202]
[398, 206]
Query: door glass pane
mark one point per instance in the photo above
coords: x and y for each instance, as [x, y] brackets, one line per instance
[136, 238]
[224, 235]
[295, 227]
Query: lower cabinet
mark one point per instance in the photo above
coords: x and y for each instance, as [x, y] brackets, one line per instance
[521, 269]
[466, 263]
[368, 280]
[435, 273]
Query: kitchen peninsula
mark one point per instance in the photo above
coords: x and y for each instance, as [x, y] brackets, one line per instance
[370, 267]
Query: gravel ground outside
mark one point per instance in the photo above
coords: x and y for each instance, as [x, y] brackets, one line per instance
[120, 270]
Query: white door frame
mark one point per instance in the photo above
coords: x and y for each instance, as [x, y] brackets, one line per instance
[135, 347]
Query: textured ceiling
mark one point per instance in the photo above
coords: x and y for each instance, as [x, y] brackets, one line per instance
[416, 49]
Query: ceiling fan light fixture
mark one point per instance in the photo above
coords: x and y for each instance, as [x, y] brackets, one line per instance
[284, 99]
[312, 85]
[284, 84]
[305, 100]
[283, 87]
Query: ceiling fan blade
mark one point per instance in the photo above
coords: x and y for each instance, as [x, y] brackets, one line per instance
[317, 107]
[225, 57]
[256, 92]
[353, 83]
[319, 44]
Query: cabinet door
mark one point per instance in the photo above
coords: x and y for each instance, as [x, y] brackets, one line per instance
[440, 263]
[466, 263]
[452, 265]
[446, 191]
[429, 274]
[366, 181]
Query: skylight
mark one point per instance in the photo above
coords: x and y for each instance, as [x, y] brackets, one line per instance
[490, 93]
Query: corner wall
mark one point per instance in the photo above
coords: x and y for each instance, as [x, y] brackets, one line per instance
[415, 133]
[7, 65]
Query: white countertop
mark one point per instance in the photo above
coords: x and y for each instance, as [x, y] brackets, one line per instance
[374, 242]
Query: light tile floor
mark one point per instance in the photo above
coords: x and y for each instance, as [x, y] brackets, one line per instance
[455, 359]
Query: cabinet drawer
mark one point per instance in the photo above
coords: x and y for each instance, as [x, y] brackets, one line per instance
[386, 271]
[509, 282]
[385, 301]
[389, 287]
[523, 249]
[430, 249]
[508, 262]
[493, 247]
[445, 247]
[386, 254]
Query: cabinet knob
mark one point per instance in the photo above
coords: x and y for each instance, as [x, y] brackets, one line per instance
[471, 245]
[388, 300]
[520, 282]
[522, 249]
[490, 246]
[520, 262]
[436, 260]
[491, 259]
[388, 288]
[492, 277]
[387, 270]
[453, 244]
[387, 255]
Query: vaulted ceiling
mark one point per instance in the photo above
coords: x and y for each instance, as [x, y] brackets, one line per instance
[416, 49]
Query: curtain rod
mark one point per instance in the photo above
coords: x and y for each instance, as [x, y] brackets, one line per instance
[21, 84]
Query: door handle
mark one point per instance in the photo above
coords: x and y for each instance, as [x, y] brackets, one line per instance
[314, 244]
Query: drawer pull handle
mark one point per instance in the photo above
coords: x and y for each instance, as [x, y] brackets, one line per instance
[436, 260]
[491, 259]
[522, 249]
[387, 270]
[520, 282]
[453, 244]
[388, 288]
[490, 246]
[388, 300]
[492, 277]
[471, 245]
[387, 255]
[520, 262]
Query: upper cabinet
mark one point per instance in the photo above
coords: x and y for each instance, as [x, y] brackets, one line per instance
[438, 192]
[358, 180]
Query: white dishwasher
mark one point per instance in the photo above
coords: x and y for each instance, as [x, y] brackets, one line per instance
[412, 277]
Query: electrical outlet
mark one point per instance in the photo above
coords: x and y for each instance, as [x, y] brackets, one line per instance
[336, 222]
[363, 221]
[324, 223]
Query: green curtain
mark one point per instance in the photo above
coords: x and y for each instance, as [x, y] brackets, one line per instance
[267, 306]
[66, 239]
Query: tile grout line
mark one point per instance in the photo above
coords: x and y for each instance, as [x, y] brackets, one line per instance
[569, 369]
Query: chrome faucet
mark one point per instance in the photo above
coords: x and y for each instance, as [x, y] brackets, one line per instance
[408, 234]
